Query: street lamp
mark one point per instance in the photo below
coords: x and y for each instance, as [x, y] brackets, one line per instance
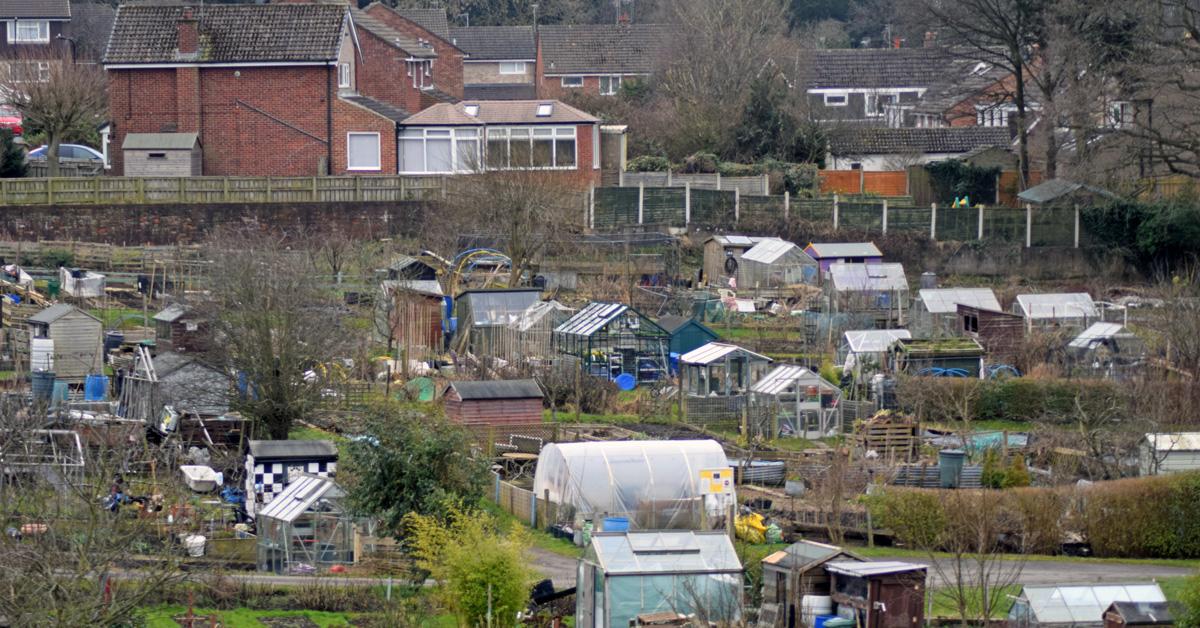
[70, 40]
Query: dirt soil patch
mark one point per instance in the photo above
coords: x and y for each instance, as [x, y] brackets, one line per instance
[288, 622]
[668, 431]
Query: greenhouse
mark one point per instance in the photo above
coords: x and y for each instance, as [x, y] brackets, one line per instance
[653, 485]
[794, 401]
[624, 575]
[612, 339]
[305, 527]
[1075, 606]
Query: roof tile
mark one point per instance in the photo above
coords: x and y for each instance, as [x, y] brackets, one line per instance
[599, 49]
[495, 43]
[882, 141]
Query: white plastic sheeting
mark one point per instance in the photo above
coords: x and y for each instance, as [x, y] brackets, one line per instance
[87, 285]
[655, 484]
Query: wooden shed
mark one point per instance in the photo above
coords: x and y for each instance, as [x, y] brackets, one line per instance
[796, 571]
[1132, 614]
[686, 333]
[508, 402]
[178, 328]
[999, 333]
[163, 155]
[723, 256]
[78, 340]
[885, 594]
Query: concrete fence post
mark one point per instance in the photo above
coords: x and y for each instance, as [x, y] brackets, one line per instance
[737, 205]
[1028, 225]
[979, 227]
[835, 211]
[718, 181]
[620, 178]
[766, 185]
[641, 201]
[1076, 225]
[933, 221]
[787, 204]
[590, 219]
[497, 488]
[669, 182]
[687, 203]
[885, 215]
[533, 510]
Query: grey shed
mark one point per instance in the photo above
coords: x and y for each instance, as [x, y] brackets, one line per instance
[78, 340]
[163, 155]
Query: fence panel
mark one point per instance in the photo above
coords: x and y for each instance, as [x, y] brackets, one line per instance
[760, 209]
[886, 183]
[712, 208]
[616, 207]
[909, 218]
[663, 206]
[841, 181]
[957, 223]
[1004, 224]
[865, 216]
[1053, 227]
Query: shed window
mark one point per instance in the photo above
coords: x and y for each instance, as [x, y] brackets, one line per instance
[971, 323]
[362, 151]
[29, 32]
[157, 155]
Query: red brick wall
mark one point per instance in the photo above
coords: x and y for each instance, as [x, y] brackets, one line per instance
[382, 74]
[447, 68]
[140, 101]
[349, 117]
[551, 87]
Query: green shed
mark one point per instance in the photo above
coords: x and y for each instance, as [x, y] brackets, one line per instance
[686, 333]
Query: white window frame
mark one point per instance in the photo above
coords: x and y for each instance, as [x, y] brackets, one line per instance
[419, 70]
[558, 132]
[457, 135]
[43, 35]
[614, 84]
[1120, 114]
[994, 116]
[872, 103]
[378, 152]
[513, 67]
[344, 76]
[572, 81]
[845, 100]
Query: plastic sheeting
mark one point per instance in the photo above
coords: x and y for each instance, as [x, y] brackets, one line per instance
[655, 484]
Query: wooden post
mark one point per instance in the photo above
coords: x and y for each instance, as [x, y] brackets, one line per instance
[885, 215]
[641, 201]
[787, 204]
[314, 190]
[687, 203]
[96, 194]
[4, 196]
[591, 218]
[979, 228]
[835, 211]
[933, 221]
[1077, 225]
[225, 189]
[358, 195]
[49, 191]
[183, 189]
[1028, 225]
[737, 205]
[141, 190]
[862, 181]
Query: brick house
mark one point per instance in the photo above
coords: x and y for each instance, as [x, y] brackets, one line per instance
[502, 135]
[501, 62]
[594, 59]
[32, 26]
[441, 73]
[286, 89]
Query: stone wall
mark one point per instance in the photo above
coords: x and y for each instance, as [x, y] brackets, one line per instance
[135, 225]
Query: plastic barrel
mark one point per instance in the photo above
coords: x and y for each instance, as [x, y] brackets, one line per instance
[43, 385]
[819, 620]
[626, 381]
[62, 392]
[113, 340]
[950, 464]
[812, 606]
[95, 388]
[616, 524]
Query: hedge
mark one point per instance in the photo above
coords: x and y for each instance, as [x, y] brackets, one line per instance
[1152, 517]
[1019, 399]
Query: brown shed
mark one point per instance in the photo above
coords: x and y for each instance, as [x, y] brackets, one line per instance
[796, 571]
[508, 402]
[723, 257]
[1131, 614]
[885, 594]
[999, 333]
[178, 328]
[163, 155]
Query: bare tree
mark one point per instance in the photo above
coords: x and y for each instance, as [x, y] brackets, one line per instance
[978, 573]
[275, 326]
[56, 96]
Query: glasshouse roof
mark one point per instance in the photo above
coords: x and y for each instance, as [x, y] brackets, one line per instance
[821, 250]
[769, 251]
[868, 277]
[874, 340]
[785, 377]
[717, 351]
[625, 477]
[1098, 332]
[670, 552]
[947, 300]
[303, 494]
[596, 315]
[1060, 305]
[1083, 604]
[497, 307]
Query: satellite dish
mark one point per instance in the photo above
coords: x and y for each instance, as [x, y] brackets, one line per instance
[731, 265]
[625, 381]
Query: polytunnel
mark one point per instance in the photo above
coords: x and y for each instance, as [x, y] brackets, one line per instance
[656, 485]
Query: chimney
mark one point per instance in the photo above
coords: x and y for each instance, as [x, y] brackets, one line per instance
[189, 34]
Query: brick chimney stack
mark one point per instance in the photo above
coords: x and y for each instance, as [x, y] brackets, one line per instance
[189, 32]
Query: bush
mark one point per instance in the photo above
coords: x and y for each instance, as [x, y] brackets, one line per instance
[701, 163]
[12, 158]
[1188, 614]
[1014, 399]
[648, 163]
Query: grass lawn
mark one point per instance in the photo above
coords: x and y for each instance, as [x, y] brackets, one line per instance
[161, 617]
[998, 425]
[945, 604]
[120, 317]
[539, 538]
[878, 552]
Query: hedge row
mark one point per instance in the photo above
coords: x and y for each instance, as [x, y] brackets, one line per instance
[1017, 399]
[1153, 517]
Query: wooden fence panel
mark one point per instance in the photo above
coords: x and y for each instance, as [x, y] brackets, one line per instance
[886, 183]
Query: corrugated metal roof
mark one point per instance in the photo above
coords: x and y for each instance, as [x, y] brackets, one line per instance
[834, 250]
[867, 277]
[769, 251]
[160, 141]
[714, 351]
[292, 449]
[805, 554]
[930, 476]
[1055, 189]
[1057, 305]
[1096, 333]
[874, 340]
[947, 300]
[1174, 441]
[591, 318]
[300, 495]
[877, 568]
[499, 389]
[785, 376]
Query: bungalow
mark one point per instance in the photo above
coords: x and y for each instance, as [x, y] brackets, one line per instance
[894, 150]
[500, 64]
[594, 59]
[470, 136]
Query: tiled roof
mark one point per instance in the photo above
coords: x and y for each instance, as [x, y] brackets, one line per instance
[965, 79]
[393, 37]
[601, 48]
[495, 43]
[878, 67]
[390, 112]
[45, 9]
[500, 91]
[229, 33]
[499, 112]
[881, 141]
[432, 20]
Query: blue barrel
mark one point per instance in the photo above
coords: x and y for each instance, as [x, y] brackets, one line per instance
[626, 381]
[819, 620]
[616, 524]
[43, 385]
[95, 388]
[62, 392]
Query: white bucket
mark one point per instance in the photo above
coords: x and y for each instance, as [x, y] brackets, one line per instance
[194, 545]
[813, 605]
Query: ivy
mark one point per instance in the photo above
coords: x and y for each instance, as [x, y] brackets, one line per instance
[953, 179]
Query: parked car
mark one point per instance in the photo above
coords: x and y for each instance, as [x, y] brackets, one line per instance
[11, 119]
[77, 152]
